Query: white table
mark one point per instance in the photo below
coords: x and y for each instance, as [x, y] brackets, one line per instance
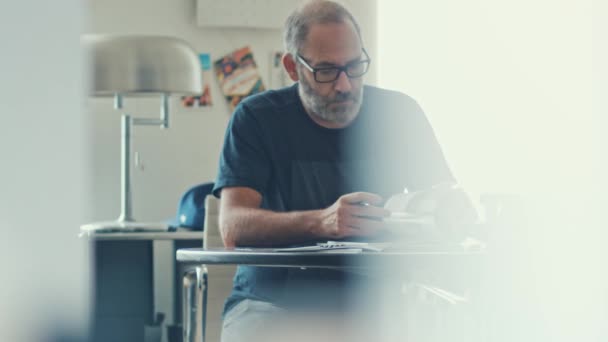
[406, 262]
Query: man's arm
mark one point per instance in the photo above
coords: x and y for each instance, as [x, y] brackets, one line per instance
[244, 223]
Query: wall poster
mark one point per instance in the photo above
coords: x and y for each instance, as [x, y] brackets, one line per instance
[238, 76]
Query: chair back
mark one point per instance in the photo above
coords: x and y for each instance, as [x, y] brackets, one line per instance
[220, 276]
[211, 235]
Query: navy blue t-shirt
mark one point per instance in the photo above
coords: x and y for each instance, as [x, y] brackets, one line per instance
[272, 146]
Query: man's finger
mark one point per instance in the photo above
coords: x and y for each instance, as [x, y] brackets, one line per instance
[362, 198]
[362, 223]
[359, 232]
[369, 211]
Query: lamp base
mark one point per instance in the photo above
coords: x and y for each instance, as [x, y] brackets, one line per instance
[123, 226]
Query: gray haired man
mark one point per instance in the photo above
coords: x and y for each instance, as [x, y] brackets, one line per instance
[298, 162]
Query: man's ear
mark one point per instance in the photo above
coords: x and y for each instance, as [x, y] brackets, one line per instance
[290, 66]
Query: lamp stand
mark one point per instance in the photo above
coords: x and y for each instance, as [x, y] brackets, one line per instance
[125, 221]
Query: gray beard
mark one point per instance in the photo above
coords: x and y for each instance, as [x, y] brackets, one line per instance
[319, 106]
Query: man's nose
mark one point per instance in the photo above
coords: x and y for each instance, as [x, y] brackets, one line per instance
[343, 83]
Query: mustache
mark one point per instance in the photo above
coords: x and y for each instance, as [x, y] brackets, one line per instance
[340, 97]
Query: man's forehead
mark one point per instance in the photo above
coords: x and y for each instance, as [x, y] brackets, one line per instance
[332, 42]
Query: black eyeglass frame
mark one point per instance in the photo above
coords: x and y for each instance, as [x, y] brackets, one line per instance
[339, 68]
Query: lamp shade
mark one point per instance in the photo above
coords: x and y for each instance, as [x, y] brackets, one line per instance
[140, 65]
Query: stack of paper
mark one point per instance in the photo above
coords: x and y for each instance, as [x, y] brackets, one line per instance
[335, 246]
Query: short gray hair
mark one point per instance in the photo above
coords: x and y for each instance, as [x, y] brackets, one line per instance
[300, 20]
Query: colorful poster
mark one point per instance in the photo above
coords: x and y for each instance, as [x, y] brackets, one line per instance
[238, 76]
[204, 100]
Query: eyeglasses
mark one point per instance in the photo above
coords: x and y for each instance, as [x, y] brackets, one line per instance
[330, 74]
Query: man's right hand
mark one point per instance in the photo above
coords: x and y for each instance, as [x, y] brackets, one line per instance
[244, 223]
[354, 214]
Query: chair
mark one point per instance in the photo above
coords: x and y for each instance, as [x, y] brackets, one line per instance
[220, 275]
[203, 305]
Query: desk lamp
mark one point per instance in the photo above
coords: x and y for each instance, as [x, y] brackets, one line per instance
[131, 66]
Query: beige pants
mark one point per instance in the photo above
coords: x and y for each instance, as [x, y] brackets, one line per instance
[250, 320]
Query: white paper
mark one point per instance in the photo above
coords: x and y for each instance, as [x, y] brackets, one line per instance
[337, 246]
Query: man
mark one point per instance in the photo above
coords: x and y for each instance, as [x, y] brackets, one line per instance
[313, 162]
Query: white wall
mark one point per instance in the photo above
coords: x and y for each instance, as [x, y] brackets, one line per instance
[44, 194]
[188, 152]
[516, 93]
[507, 85]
